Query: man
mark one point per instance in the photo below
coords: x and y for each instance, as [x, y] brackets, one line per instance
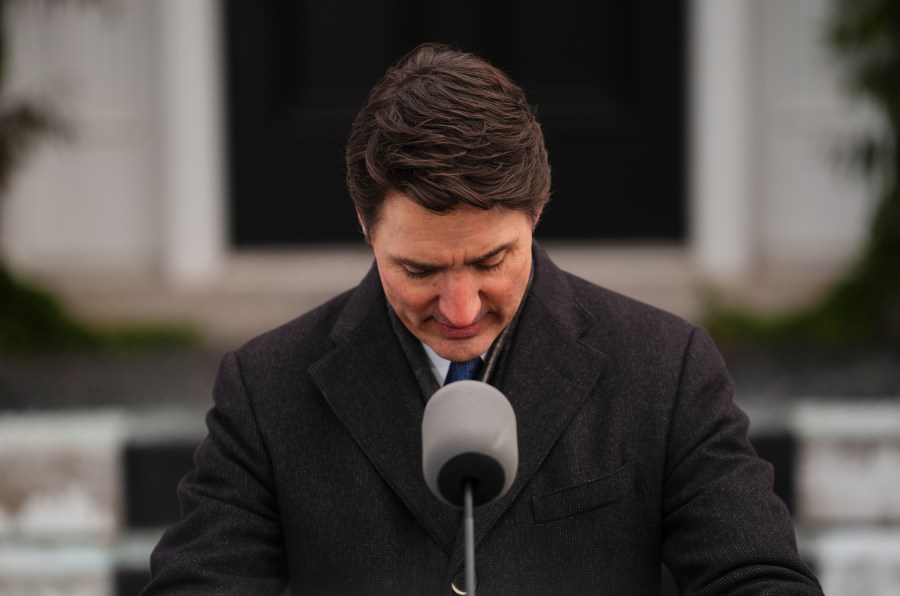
[631, 452]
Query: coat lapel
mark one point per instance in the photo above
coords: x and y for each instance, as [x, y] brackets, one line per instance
[547, 378]
[371, 388]
[550, 371]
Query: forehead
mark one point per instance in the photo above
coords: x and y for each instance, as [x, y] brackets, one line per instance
[404, 221]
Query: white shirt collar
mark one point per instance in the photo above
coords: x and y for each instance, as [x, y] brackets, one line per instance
[439, 366]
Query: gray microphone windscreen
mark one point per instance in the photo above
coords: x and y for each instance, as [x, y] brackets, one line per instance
[469, 433]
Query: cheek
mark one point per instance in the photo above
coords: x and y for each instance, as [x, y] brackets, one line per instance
[406, 295]
[502, 294]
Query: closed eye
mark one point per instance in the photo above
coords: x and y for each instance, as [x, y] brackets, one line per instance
[492, 267]
[491, 262]
[417, 273]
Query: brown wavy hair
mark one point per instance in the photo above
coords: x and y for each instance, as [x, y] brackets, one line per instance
[445, 127]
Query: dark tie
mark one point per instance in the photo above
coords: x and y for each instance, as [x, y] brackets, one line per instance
[463, 371]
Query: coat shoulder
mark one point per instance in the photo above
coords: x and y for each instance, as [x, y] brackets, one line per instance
[299, 342]
[624, 318]
[600, 316]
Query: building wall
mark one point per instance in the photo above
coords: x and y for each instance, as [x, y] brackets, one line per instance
[809, 207]
[91, 202]
[139, 191]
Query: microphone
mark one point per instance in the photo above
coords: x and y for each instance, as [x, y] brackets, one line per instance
[469, 436]
[470, 453]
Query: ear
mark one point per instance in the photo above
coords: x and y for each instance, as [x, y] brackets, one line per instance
[362, 226]
[536, 217]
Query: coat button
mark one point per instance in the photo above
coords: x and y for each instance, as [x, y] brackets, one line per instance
[458, 585]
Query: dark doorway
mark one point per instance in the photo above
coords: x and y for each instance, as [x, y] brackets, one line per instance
[607, 79]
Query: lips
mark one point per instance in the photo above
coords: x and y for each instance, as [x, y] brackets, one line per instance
[452, 332]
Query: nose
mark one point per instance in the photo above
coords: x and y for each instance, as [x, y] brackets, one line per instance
[460, 300]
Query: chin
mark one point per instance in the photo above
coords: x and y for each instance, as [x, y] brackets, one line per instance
[459, 353]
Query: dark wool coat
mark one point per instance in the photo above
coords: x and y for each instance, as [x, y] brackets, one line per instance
[632, 454]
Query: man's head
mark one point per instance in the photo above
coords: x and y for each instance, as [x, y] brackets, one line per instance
[445, 127]
[447, 169]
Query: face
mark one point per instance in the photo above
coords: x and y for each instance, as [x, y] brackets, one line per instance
[454, 279]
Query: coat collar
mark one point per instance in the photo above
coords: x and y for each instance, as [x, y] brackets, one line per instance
[368, 382]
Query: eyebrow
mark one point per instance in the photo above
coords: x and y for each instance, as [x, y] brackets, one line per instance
[432, 267]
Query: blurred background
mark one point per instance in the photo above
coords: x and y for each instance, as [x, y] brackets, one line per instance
[171, 184]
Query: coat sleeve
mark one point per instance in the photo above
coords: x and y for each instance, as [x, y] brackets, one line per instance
[229, 540]
[724, 529]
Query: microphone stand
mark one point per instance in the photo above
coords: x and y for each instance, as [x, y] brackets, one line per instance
[469, 531]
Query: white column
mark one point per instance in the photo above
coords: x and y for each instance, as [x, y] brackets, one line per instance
[721, 84]
[191, 144]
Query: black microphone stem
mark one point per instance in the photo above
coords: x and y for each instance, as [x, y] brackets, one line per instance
[469, 530]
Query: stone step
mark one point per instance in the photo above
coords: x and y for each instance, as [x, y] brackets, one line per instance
[86, 494]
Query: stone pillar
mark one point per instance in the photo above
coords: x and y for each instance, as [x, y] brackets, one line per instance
[192, 148]
[720, 124]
